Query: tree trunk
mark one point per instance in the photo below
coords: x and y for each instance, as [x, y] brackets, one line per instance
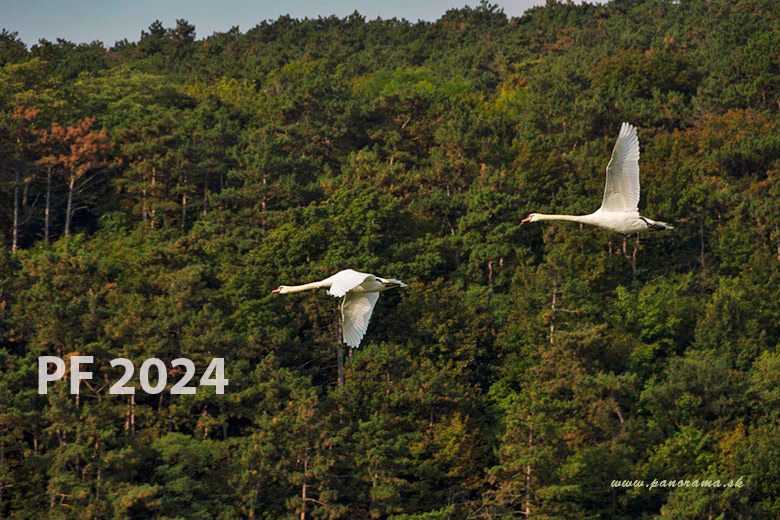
[777, 239]
[15, 243]
[69, 209]
[97, 485]
[183, 210]
[552, 308]
[48, 206]
[528, 473]
[631, 258]
[144, 209]
[166, 194]
[224, 421]
[340, 362]
[2, 485]
[701, 239]
[25, 209]
[154, 179]
[339, 350]
[263, 207]
[303, 490]
[254, 502]
[206, 195]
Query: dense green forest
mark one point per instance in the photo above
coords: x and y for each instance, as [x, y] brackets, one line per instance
[153, 193]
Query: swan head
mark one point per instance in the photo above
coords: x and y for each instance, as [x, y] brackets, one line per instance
[282, 289]
[533, 217]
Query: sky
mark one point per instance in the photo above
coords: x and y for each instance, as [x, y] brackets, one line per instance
[83, 21]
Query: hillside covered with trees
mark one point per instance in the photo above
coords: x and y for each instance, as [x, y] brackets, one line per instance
[153, 193]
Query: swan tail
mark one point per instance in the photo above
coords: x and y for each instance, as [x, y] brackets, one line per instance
[390, 283]
[658, 226]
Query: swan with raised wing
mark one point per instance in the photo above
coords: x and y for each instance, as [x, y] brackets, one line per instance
[360, 292]
[619, 209]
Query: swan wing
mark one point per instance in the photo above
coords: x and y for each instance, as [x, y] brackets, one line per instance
[344, 281]
[621, 193]
[356, 310]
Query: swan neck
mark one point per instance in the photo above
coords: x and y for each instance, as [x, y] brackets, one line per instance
[305, 287]
[572, 218]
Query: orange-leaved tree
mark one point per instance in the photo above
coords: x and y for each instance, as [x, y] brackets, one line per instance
[82, 151]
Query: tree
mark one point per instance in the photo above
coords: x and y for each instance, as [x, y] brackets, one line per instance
[12, 49]
[84, 152]
[21, 133]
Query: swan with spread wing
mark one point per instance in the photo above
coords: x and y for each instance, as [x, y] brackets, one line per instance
[619, 209]
[360, 292]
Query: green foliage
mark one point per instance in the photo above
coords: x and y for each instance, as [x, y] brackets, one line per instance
[523, 369]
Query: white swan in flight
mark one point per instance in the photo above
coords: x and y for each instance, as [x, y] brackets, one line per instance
[619, 210]
[360, 292]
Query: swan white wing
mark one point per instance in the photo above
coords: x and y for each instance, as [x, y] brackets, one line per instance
[356, 310]
[621, 192]
[346, 280]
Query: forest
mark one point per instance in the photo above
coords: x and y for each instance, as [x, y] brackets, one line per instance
[153, 193]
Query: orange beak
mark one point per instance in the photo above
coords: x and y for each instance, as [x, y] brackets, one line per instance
[526, 219]
[276, 290]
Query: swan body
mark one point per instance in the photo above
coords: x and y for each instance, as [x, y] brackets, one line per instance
[359, 291]
[619, 209]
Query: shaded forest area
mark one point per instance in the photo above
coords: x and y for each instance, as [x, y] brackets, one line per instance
[153, 193]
